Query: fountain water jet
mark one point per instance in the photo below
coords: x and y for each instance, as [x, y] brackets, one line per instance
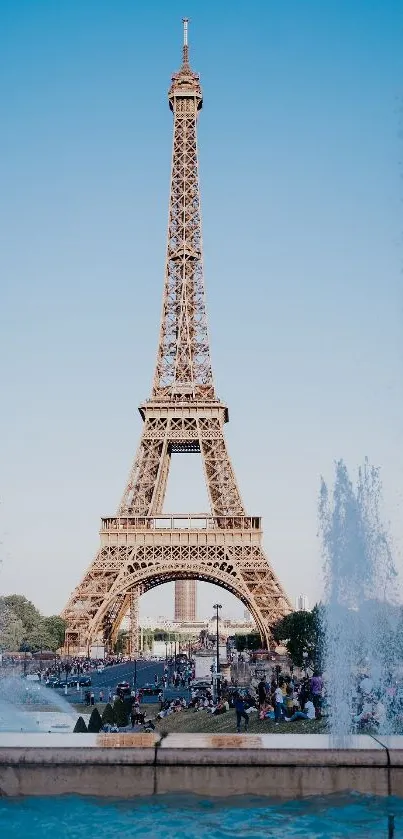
[361, 601]
[18, 698]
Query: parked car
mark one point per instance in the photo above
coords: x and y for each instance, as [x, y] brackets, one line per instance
[54, 683]
[123, 689]
[83, 681]
[201, 684]
[150, 690]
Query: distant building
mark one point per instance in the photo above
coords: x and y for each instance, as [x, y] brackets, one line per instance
[247, 615]
[302, 603]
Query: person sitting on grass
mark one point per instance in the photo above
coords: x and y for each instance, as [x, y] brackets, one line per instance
[307, 714]
[266, 711]
[289, 702]
[220, 708]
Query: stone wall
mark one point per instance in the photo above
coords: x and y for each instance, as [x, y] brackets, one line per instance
[126, 765]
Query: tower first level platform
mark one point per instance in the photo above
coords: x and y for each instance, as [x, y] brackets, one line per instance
[138, 553]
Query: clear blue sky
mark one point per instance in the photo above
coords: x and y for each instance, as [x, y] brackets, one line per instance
[302, 204]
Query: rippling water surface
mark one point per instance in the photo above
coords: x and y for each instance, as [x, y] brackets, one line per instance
[191, 817]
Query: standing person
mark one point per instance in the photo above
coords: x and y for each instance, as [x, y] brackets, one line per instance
[278, 704]
[101, 696]
[303, 695]
[316, 689]
[261, 689]
[92, 699]
[110, 695]
[240, 713]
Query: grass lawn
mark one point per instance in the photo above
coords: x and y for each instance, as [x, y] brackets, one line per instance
[200, 722]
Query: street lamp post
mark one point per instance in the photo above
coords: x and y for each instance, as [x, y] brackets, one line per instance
[217, 606]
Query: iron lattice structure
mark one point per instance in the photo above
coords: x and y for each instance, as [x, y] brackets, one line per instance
[140, 547]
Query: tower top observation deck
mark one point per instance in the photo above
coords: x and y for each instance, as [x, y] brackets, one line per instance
[185, 83]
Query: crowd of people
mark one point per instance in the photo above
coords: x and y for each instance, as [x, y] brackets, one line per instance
[291, 700]
[282, 699]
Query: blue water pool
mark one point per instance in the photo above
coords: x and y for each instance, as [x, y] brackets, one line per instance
[190, 817]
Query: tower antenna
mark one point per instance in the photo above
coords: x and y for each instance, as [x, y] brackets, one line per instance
[185, 21]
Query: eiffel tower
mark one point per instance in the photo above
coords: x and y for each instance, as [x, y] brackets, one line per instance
[140, 546]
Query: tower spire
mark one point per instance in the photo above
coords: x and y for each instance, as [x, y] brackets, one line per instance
[185, 55]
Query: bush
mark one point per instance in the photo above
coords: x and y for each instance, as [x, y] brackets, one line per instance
[108, 716]
[120, 712]
[80, 727]
[95, 721]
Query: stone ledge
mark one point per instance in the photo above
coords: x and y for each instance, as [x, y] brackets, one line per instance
[394, 744]
[271, 749]
[126, 765]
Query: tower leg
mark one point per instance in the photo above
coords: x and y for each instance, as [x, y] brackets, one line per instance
[185, 601]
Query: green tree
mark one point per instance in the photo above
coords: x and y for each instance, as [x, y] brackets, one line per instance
[240, 643]
[247, 641]
[56, 628]
[108, 716]
[11, 628]
[24, 610]
[80, 727]
[253, 641]
[301, 632]
[148, 639]
[95, 721]
[38, 638]
[121, 713]
[120, 645]
[22, 623]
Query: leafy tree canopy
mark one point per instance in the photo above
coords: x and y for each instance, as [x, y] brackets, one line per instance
[24, 610]
[301, 632]
[23, 627]
[56, 628]
[250, 641]
[11, 628]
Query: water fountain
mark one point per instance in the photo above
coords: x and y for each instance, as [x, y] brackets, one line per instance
[361, 614]
[31, 706]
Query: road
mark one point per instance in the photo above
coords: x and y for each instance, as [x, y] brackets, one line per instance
[111, 676]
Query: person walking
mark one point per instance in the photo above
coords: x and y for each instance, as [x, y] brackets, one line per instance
[240, 713]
